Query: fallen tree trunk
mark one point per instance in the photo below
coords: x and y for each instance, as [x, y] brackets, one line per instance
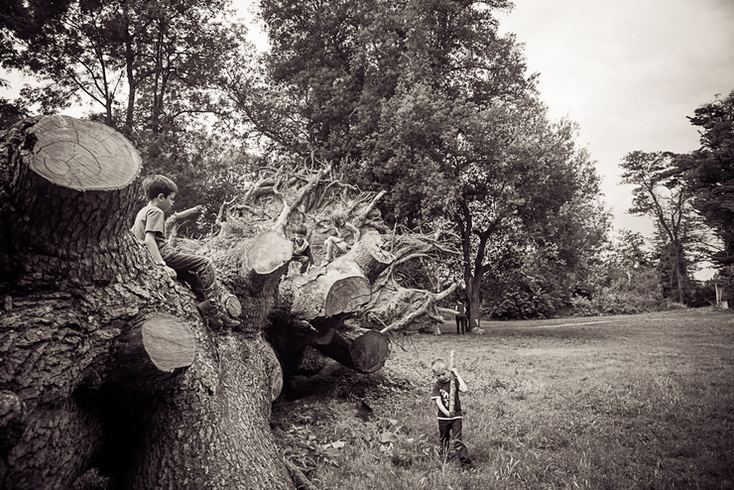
[342, 286]
[159, 343]
[103, 362]
[366, 353]
[318, 303]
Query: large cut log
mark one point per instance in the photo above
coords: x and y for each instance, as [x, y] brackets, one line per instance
[102, 361]
[269, 252]
[318, 303]
[365, 354]
[159, 343]
[65, 199]
[339, 288]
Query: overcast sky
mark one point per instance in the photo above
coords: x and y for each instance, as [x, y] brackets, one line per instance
[629, 72]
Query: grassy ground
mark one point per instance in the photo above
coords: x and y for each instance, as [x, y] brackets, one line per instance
[644, 401]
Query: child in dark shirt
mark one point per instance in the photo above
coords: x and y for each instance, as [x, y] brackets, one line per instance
[449, 423]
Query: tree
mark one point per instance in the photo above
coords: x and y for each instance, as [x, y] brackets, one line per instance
[152, 68]
[662, 195]
[622, 280]
[153, 59]
[709, 173]
[533, 215]
[106, 363]
[427, 100]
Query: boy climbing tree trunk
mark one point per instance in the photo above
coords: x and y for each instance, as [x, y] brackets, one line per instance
[103, 360]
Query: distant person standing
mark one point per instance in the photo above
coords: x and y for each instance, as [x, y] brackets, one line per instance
[460, 318]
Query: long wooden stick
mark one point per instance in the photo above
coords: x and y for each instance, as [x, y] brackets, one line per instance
[452, 386]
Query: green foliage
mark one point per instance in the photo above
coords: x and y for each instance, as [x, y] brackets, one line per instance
[710, 173]
[661, 194]
[390, 92]
[520, 299]
[153, 59]
[155, 70]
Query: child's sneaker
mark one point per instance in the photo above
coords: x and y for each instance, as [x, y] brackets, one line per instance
[209, 311]
[228, 322]
[217, 319]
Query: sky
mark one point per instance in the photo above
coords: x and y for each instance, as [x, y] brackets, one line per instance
[628, 72]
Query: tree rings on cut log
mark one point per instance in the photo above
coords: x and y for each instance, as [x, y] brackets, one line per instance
[169, 342]
[346, 295]
[82, 155]
[369, 351]
[268, 252]
[233, 306]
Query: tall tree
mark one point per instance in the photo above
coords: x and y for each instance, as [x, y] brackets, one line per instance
[152, 68]
[662, 195]
[149, 58]
[426, 99]
[533, 213]
[710, 172]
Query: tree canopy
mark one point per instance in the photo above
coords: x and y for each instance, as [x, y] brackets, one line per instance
[710, 172]
[151, 69]
[426, 99]
[662, 194]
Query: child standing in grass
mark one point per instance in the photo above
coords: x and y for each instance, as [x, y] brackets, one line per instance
[449, 423]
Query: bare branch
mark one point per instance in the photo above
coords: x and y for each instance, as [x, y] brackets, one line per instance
[431, 298]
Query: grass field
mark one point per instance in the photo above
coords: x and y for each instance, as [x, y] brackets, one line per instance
[627, 402]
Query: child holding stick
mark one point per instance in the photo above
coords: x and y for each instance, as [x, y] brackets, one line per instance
[446, 396]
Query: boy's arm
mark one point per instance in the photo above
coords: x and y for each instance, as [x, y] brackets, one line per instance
[354, 231]
[440, 406]
[462, 385]
[153, 247]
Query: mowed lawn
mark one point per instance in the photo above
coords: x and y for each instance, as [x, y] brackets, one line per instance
[644, 401]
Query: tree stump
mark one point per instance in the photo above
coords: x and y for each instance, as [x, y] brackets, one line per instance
[65, 199]
[102, 361]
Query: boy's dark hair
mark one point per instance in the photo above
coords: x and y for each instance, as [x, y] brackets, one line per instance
[158, 184]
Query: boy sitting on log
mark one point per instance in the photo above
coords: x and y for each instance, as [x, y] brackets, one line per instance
[197, 271]
[346, 235]
[302, 250]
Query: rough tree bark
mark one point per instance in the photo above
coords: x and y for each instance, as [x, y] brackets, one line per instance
[104, 362]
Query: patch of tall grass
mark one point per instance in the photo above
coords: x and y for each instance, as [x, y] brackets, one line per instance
[639, 402]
